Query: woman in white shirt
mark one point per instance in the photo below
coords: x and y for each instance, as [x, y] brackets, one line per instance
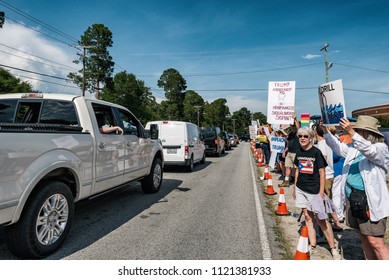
[364, 175]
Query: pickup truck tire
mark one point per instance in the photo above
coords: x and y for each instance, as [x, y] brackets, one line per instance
[152, 182]
[45, 222]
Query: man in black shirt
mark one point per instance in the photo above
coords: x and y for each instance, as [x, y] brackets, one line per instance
[290, 151]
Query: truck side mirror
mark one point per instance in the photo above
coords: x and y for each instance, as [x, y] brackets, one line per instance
[154, 131]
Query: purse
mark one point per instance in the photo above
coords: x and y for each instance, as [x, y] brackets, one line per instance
[358, 204]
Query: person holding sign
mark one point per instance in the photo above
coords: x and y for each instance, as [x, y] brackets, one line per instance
[290, 152]
[364, 177]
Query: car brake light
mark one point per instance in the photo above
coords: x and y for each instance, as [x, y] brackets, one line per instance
[164, 122]
[186, 151]
[32, 95]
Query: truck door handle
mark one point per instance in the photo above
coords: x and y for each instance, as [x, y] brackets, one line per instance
[102, 145]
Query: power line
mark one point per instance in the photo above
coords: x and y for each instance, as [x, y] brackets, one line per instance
[38, 57]
[40, 80]
[34, 19]
[33, 72]
[364, 68]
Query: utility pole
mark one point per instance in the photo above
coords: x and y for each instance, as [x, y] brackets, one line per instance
[2, 19]
[83, 67]
[198, 114]
[327, 65]
[233, 121]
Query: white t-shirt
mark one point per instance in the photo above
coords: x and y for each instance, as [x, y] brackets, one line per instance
[327, 152]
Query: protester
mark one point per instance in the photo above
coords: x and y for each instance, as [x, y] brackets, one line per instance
[309, 190]
[338, 194]
[280, 160]
[328, 156]
[364, 178]
[290, 151]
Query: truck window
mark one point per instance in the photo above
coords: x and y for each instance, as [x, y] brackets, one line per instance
[130, 123]
[59, 112]
[104, 116]
[7, 110]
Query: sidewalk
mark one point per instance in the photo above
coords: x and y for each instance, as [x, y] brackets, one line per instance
[347, 240]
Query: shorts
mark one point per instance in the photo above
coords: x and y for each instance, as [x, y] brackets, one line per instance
[365, 227]
[303, 199]
[289, 160]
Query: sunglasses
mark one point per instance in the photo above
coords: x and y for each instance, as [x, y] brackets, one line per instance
[305, 136]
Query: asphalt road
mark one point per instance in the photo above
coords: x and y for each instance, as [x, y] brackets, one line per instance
[208, 214]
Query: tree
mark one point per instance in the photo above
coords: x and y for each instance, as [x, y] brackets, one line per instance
[10, 84]
[98, 65]
[216, 113]
[193, 107]
[131, 93]
[174, 86]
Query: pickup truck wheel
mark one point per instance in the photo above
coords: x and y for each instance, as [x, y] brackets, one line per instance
[44, 224]
[152, 183]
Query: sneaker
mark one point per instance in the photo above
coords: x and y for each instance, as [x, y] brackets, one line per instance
[284, 184]
[335, 254]
[312, 250]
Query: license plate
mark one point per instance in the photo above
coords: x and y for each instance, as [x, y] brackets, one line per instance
[172, 151]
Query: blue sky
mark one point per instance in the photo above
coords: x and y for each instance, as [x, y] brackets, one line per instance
[224, 49]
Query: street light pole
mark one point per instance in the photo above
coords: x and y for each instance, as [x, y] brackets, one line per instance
[233, 121]
[198, 114]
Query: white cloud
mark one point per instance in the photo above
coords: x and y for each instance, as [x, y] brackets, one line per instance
[311, 56]
[24, 48]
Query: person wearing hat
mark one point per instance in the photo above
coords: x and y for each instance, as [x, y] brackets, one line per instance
[364, 177]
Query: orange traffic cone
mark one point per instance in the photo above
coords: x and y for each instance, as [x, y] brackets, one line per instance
[281, 210]
[259, 164]
[302, 246]
[266, 172]
[269, 189]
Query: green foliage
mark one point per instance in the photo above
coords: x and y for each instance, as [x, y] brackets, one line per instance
[193, 107]
[131, 93]
[10, 84]
[384, 121]
[216, 113]
[174, 86]
[98, 63]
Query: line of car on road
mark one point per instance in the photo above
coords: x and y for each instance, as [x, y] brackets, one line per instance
[185, 144]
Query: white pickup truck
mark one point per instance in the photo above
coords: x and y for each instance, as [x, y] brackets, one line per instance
[54, 152]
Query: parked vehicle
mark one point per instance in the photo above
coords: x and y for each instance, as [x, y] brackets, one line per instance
[244, 137]
[233, 140]
[214, 144]
[181, 143]
[226, 139]
[54, 153]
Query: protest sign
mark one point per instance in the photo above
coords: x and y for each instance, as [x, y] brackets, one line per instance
[281, 100]
[332, 104]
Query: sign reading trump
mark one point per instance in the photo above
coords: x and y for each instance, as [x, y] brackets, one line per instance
[280, 108]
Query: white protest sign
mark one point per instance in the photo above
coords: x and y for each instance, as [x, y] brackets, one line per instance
[277, 145]
[332, 104]
[280, 103]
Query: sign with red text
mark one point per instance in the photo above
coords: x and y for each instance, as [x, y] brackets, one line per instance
[331, 100]
[280, 102]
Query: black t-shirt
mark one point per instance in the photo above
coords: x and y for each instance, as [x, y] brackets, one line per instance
[293, 142]
[309, 162]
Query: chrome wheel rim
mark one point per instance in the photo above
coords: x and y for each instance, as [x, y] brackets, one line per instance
[52, 219]
[157, 175]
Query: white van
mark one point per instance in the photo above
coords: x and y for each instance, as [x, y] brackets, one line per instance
[181, 143]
